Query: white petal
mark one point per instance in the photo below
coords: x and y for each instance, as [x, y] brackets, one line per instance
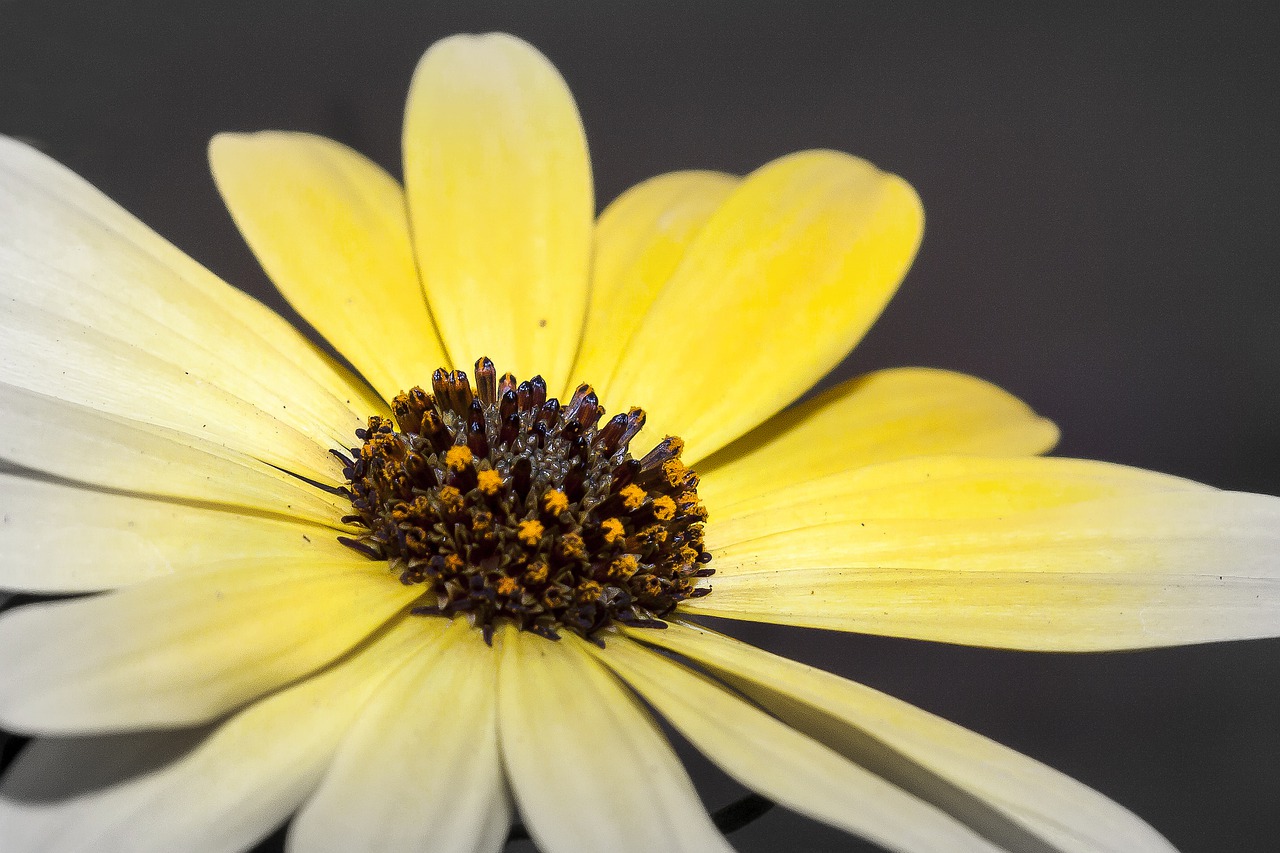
[231, 788]
[590, 769]
[71, 441]
[57, 538]
[181, 650]
[1006, 796]
[99, 310]
[783, 764]
[419, 769]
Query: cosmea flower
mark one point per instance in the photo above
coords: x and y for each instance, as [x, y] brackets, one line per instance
[403, 610]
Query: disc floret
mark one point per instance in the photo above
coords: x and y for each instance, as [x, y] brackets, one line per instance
[504, 503]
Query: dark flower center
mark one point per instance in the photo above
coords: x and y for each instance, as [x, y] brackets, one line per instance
[506, 504]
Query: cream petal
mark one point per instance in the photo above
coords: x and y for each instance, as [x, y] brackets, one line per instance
[419, 769]
[1042, 554]
[781, 763]
[500, 201]
[1007, 797]
[57, 539]
[182, 650]
[879, 417]
[221, 794]
[100, 311]
[331, 229]
[589, 767]
[640, 239]
[771, 294]
[71, 441]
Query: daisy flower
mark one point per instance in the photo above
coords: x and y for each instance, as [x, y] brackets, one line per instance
[405, 604]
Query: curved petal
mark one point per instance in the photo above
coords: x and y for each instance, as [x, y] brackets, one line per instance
[221, 794]
[98, 310]
[782, 281]
[180, 651]
[786, 766]
[419, 769]
[639, 240]
[500, 200]
[58, 539]
[878, 417]
[589, 767]
[1044, 554]
[1005, 796]
[331, 229]
[60, 438]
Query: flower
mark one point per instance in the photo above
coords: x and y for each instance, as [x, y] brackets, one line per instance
[339, 599]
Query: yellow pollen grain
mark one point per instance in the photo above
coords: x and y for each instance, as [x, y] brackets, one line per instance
[536, 574]
[664, 509]
[633, 496]
[489, 480]
[588, 591]
[624, 567]
[530, 532]
[571, 545]
[454, 563]
[458, 457]
[613, 530]
[674, 472]
[655, 533]
[506, 586]
[555, 502]
[450, 498]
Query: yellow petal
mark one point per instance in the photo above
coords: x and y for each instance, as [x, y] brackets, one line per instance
[56, 538]
[61, 438]
[589, 767]
[921, 492]
[639, 240]
[99, 310]
[226, 791]
[331, 229]
[1047, 554]
[879, 417]
[419, 769]
[771, 294]
[1007, 797]
[500, 201]
[783, 764]
[182, 650]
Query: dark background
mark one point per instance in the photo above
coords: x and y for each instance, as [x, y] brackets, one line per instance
[1102, 206]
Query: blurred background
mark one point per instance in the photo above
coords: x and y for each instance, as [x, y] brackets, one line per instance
[1103, 211]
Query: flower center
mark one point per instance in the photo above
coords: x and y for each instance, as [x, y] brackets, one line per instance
[503, 502]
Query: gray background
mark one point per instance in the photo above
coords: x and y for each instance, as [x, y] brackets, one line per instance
[1102, 206]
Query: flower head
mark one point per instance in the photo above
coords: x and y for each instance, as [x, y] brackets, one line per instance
[406, 614]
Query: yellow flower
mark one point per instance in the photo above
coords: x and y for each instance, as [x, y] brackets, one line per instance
[294, 615]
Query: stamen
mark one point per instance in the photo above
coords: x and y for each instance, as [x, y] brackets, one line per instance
[503, 503]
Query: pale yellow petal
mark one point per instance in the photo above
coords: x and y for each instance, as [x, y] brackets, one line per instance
[1045, 554]
[56, 538]
[781, 763]
[922, 491]
[771, 294]
[1008, 797]
[590, 769]
[419, 770]
[879, 417]
[230, 789]
[98, 310]
[56, 437]
[639, 240]
[182, 650]
[500, 200]
[331, 229]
